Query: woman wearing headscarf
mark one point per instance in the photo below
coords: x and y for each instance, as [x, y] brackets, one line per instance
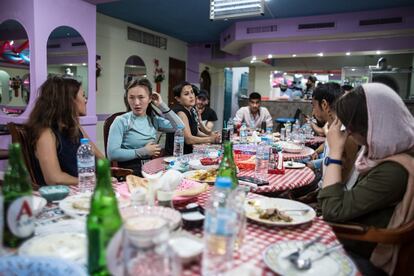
[377, 119]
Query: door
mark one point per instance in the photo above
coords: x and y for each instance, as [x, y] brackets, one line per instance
[176, 75]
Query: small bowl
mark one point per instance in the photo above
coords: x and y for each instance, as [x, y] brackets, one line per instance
[187, 246]
[55, 192]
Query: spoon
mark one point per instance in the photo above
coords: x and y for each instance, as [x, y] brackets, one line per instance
[295, 255]
[306, 263]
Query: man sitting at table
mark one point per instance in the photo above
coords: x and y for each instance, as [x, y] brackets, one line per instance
[323, 100]
[207, 115]
[253, 115]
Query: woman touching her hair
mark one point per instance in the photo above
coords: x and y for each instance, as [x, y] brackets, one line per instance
[132, 135]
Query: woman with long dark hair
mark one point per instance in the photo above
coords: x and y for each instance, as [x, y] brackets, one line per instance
[54, 131]
[376, 118]
[132, 135]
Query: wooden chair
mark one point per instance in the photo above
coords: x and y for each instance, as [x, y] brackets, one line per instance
[107, 125]
[19, 135]
[403, 235]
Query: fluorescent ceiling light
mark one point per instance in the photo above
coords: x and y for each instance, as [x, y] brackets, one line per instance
[378, 52]
[320, 54]
[224, 9]
[269, 56]
[348, 53]
[294, 55]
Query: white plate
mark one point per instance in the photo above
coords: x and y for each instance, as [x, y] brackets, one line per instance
[281, 204]
[67, 205]
[169, 159]
[66, 245]
[293, 165]
[291, 147]
[74, 225]
[38, 204]
[195, 164]
[336, 263]
[189, 175]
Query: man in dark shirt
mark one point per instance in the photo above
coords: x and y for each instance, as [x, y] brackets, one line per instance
[208, 115]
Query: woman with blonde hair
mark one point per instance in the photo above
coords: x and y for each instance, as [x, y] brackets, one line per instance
[55, 132]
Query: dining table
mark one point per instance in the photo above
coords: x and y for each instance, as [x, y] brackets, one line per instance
[257, 238]
[290, 180]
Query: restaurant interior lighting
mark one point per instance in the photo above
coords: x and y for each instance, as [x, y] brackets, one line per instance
[225, 9]
[269, 56]
[294, 55]
[378, 52]
[348, 53]
[320, 54]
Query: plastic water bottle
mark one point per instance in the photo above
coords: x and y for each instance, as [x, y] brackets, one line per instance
[230, 127]
[243, 134]
[86, 166]
[269, 136]
[179, 142]
[220, 226]
[262, 159]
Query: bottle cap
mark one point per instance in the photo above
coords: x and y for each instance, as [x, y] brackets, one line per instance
[180, 127]
[84, 140]
[223, 182]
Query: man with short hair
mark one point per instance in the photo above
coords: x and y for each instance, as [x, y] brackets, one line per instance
[310, 86]
[323, 102]
[207, 114]
[253, 115]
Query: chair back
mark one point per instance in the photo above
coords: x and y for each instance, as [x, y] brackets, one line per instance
[19, 135]
[107, 125]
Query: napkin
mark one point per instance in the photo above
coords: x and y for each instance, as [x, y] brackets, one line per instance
[153, 185]
[170, 180]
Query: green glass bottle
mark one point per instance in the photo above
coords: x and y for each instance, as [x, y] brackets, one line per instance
[227, 166]
[17, 192]
[103, 221]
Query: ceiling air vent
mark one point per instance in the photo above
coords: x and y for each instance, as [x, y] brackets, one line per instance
[147, 38]
[78, 44]
[321, 25]
[53, 46]
[261, 29]
[380, 21]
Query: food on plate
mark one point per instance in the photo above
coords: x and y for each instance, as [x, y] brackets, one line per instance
[82, 203]
[272, 214]
[192, 191]
[209, 161]
[205, 176]
[135, 182]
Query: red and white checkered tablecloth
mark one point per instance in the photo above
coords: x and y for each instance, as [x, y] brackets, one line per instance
[292, 178]
[258, 237]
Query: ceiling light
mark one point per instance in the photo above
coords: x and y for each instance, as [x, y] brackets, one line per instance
[269, 56]
[284, 73]
[294, 55]
[224, 9]
[254, 58]
[331, 75]
[320, 54]
[378, 52]
[315, 74]
[84, 64]
[353, 69]
[70, 64]
[348, 53]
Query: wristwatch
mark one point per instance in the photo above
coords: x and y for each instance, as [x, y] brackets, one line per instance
[329, 160]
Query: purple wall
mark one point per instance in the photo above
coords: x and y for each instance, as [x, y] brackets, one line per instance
[40, 18]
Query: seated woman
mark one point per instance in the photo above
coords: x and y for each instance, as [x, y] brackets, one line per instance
[54, 131]
[132, 135]
[194, 133]
[376, 118]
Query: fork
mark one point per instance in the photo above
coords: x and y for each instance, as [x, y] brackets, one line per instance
[292, 257]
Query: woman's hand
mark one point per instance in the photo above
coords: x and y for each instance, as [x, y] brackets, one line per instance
[215, 137]
[156, 99]
[336, 139]
[153, 149]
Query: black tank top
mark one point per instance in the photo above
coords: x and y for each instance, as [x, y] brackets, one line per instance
[192, 121]
[66, 153]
